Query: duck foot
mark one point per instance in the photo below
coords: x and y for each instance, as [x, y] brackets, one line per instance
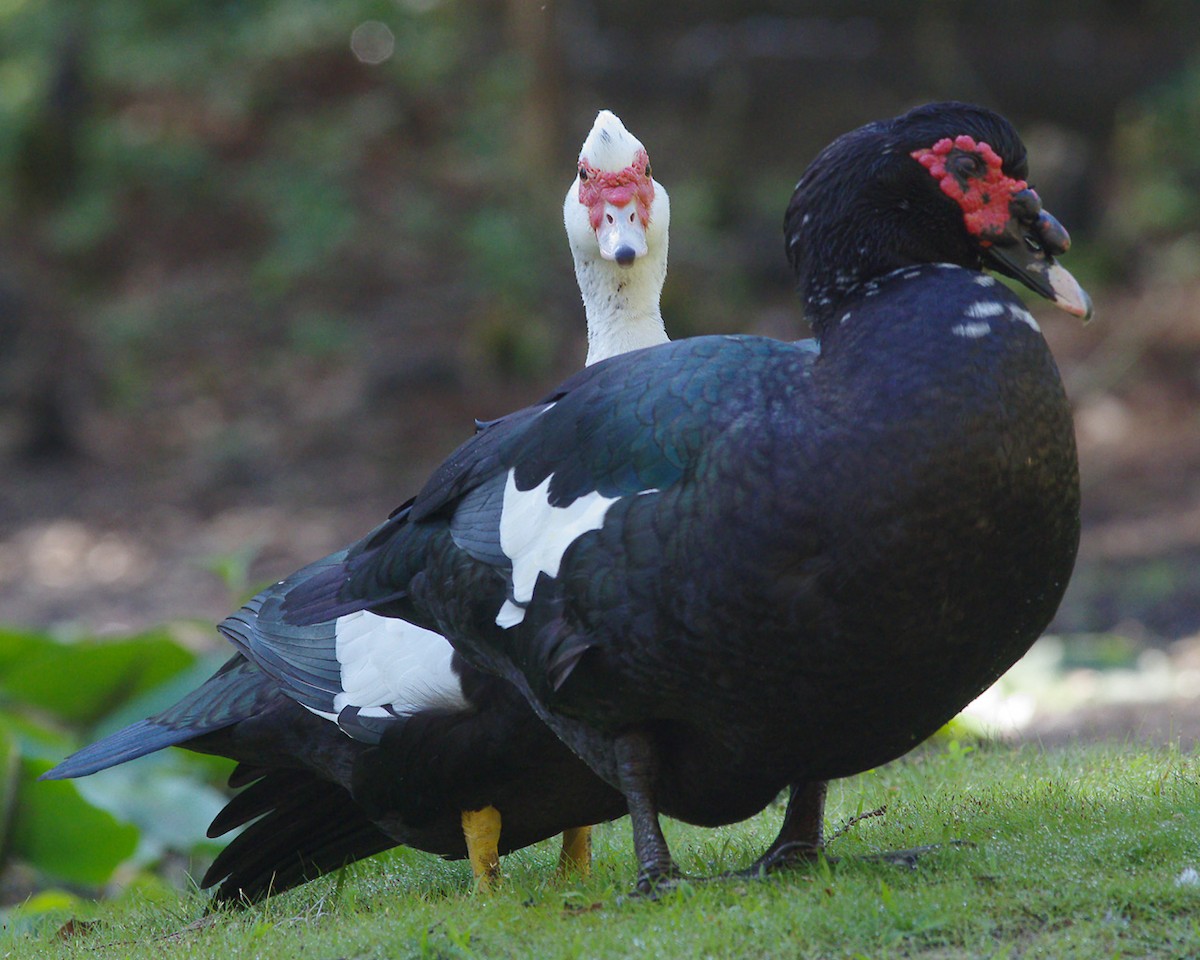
[800, 842]
[655, 886]
[801, 835]
[908, 858]
[576, 855]
[800, 854]
[781, 857]
[481, 830]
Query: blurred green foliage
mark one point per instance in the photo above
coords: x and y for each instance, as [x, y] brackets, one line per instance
[1157, 146]
[56, 697]
[163, 150]
[32, 672]
[64, 836]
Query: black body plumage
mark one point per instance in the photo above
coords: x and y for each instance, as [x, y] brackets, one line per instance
[838, 552]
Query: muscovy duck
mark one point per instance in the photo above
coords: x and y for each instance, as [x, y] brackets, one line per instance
[398, 739]
[726, 565]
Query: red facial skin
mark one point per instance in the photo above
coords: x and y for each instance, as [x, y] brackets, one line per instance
[984, 199]
[598, 187]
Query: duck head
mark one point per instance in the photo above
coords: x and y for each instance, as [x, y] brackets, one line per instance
[617, 219]
[614, 209]
[943, 183]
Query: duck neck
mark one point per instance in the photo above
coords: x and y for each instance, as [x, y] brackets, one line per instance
[622, 304]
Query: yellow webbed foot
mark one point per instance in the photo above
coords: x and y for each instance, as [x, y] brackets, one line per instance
[481, 830]
[576, 851]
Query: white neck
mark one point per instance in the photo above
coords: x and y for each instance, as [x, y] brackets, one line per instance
[621, 303]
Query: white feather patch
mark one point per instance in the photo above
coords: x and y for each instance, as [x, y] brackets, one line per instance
[609, 146]
[984, 309]
[1021, 315]
[388, 662]
[972, 331]
[510, 615]
[534, 535]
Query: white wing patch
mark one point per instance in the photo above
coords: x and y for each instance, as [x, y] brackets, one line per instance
[972, 331]
[391, 666]
[979, 313]
[984, 309]
[534, 535]
[1021, 315]
[510, 615]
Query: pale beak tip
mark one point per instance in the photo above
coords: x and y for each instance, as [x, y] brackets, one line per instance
[1081, 308]
[1069, 294]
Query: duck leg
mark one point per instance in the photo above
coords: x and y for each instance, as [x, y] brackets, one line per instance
[637, 771]
[802, 833]
[576, 851]
[481, 830]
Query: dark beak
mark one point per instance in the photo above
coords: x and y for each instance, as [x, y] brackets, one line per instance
[1025, 250]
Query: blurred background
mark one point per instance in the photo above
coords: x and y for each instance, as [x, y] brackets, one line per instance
[261, 263]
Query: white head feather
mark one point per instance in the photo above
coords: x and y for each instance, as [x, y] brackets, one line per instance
[609, 146]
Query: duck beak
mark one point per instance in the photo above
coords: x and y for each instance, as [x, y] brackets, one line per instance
[1025, 250]
[621, 235]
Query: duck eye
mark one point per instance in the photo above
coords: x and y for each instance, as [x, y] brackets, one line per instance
[582, 173]
[648, 173]
[967, 165]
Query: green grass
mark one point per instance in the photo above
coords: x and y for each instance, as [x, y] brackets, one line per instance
[1076, 853]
